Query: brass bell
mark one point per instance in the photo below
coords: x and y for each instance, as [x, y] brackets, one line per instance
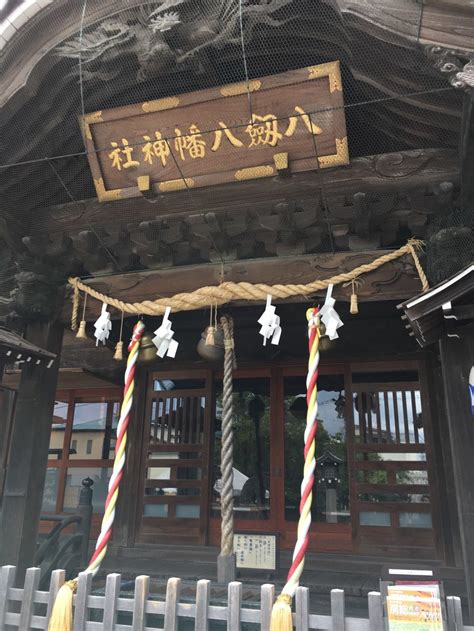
[147, 350]
[212, 352]
[325, 344]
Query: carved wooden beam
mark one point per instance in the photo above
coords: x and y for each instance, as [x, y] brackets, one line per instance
[384, 173]
[394, 281]
[447, 23]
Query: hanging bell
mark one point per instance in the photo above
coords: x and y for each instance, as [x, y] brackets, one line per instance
[81, 332]
[147, 350]
[212, 352]
[118, 355]
[325, 344]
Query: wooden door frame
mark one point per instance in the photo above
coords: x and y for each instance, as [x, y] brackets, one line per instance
[433, 473]
[7, 412]
[141, 453]
[254, 525]
[393, 365]
[110, 394]
[275, 372]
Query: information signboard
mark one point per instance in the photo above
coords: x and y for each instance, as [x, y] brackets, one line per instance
[255, 551]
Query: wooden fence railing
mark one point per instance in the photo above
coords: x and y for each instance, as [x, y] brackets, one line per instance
[28, 608]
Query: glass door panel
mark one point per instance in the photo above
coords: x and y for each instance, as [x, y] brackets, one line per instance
[331, 489]
[251, 450]
[392, 498]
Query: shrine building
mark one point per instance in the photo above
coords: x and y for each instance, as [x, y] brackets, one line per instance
[153, 149]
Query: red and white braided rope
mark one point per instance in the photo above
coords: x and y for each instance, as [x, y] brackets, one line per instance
[304, 523]
[119, 461]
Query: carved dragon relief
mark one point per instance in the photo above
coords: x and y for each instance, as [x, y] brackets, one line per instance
[458, 67]
[167, 37]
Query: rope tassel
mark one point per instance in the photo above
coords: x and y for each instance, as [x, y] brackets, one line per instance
[118, 355]
[354, 309]
[355, 283]
[61, 616]
[211, 336]
[281, 619]
[81, 332]
[211, 329]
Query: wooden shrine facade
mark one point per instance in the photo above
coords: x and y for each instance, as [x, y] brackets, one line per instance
[377, 418]
[178, 487]
[386, 486]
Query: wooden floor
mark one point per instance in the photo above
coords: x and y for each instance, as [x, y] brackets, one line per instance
[324, 571]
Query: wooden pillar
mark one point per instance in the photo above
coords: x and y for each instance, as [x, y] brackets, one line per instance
[7, 404]
[457, 357]
[28, 457]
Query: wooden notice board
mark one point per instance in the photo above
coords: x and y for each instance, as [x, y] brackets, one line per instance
[224, 134]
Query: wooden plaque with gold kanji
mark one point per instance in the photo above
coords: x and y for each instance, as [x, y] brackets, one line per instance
[226, 134]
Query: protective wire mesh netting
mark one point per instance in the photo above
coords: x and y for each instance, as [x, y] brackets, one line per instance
[104, 55]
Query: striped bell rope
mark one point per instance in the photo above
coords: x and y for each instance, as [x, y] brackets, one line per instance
[61, 617]
[281, 619]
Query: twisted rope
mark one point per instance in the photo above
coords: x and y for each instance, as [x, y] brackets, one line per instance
[229, 291]
[75, 308]
[61, 615]
[281, 618]
[304, 523]
[411, 245]
[119, 461]
[227, 444]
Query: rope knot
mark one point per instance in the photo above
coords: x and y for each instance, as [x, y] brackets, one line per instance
[286, 599]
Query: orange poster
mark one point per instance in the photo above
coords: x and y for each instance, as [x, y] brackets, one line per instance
[414, 608]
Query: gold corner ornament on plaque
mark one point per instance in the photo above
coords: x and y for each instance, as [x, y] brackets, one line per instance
[337, 159]
[330, 70]
[106, 196]
[88, 120]
[209, 137]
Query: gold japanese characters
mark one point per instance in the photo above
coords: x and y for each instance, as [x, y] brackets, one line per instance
[262, 130]
[208, 138]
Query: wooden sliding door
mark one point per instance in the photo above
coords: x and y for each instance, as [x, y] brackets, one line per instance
[391, 489]
[173, 505]
[375, 485]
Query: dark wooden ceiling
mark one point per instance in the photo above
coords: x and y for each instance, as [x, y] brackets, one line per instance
[395, 99]
[403, 121]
